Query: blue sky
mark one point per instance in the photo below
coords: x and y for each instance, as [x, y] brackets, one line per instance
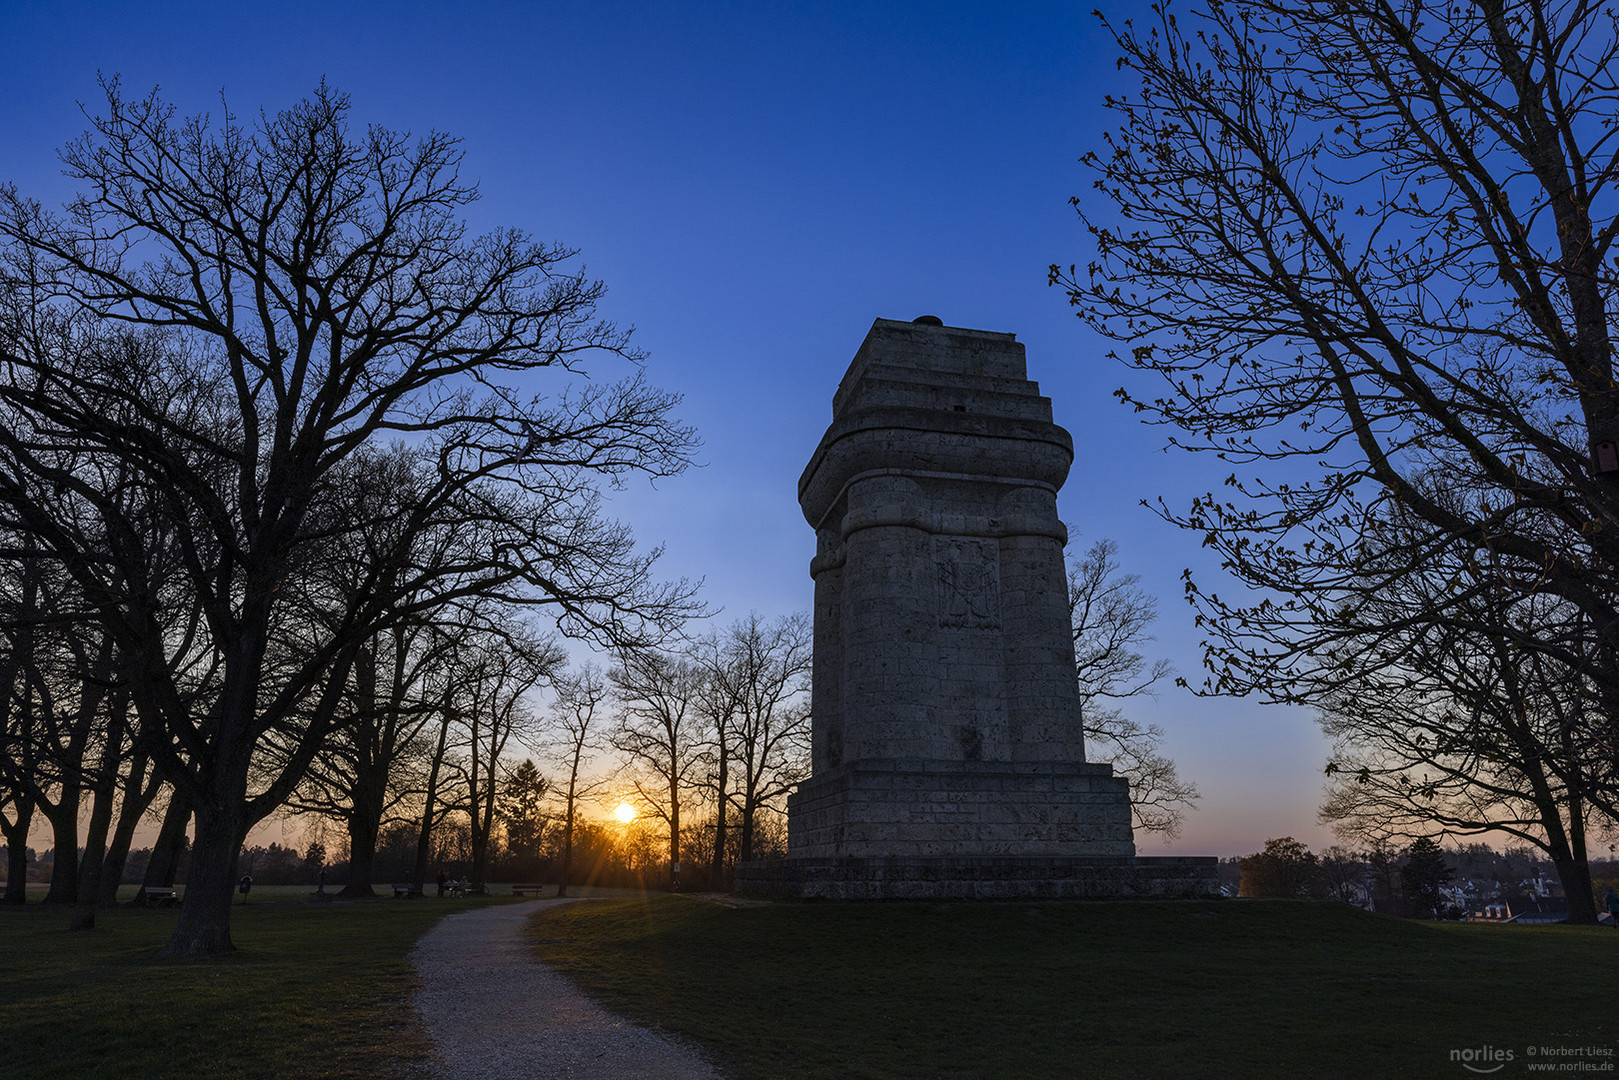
[755, 183]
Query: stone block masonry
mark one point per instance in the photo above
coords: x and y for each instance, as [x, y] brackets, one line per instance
[948, 758]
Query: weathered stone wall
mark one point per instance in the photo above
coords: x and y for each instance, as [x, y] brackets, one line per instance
[1098, 878]
[928, 809]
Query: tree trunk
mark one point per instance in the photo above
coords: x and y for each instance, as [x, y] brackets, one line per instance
[1565, 838]
[1573, 870]
[567, 854]
[171, 844]
[16, 834]
[204, 926]
[221, 789]
[95, 848]
[424, 837]
[480, 849]
[674, 825]
[112, 867]
[716, 872]
[1575, 875]
[480, 808]
[750, 811]
[139, 790]
[64, 815]
[364, 823]
[481, 835]
[64, 819]
[567, 832]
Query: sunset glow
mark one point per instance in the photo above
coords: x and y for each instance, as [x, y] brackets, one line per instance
[625, 813]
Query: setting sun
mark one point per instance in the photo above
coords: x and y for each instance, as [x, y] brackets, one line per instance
[625, 813]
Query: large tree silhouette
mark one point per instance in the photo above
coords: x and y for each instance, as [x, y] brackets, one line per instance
[1366, 247]
[237, 315]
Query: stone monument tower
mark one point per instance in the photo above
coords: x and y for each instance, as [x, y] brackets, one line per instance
[948, 758]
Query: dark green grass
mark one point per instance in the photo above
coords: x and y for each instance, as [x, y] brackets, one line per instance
[1218, 989]
[312, 991]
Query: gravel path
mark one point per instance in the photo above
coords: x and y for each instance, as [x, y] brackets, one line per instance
[496, 1013]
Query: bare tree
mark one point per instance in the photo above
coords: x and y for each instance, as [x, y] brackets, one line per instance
[14, 830]
[574, 735]
[660, 727]
[1343, 873]
[20, 768]
[432, 747]
[1111, 615]
[1451, 712]
[358, 777]
[491, 681]
[1363, 245]
[296, 292]
[101, 783]
[719, 699]
[65, 722]
[762, 668]
[137, 784]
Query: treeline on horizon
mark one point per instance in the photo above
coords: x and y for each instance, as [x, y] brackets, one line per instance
[1421, 879]
[412, 786]
[603, 854]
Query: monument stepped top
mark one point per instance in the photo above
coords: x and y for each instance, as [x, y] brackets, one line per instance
[925, 396]
[985, 360]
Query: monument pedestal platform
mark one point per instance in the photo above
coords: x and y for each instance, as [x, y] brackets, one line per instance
[914, 829]
[982, 878]
[924, 808]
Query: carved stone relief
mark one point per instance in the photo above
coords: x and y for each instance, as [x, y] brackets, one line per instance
[969, 581]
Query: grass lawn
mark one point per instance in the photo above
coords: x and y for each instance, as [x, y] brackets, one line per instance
[1219, 989]
[312, 991]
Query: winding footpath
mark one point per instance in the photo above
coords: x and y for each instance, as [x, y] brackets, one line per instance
[496, 1013]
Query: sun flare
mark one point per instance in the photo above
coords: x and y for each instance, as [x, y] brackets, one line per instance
[625, 813]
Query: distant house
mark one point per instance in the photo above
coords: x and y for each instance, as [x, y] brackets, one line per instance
[1549, 910]
[1522, 911]
[1549, 887]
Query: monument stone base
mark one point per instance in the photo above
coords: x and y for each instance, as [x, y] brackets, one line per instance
[968, 830]
[915, 808]
[982, 878]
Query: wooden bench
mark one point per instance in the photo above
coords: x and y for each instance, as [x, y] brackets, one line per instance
[405, 892]
[154, 896]
[524, 890]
